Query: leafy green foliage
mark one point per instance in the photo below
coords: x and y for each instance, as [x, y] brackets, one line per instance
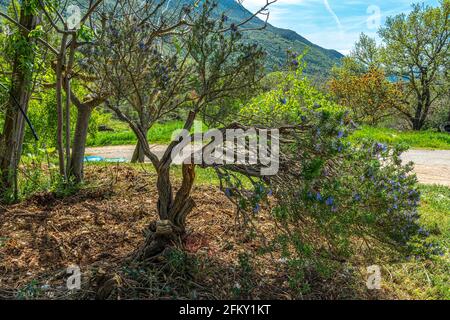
[285, 102]
[44, 120]
[366, 92]
[415, 48]
[335, 200]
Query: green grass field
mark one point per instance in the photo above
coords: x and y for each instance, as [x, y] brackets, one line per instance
[414, 139]
[160, 133]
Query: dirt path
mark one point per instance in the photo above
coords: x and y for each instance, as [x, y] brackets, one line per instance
[431, 167]
[114, 152]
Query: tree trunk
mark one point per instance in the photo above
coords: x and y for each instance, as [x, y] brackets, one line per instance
[416, 125]
[183, 203]
[68, 90]
[79, 143]
[138, 154]
[421, 114]
[59, 107]
[13, 129]
[415, 121]
[165, 192]
[171, 227]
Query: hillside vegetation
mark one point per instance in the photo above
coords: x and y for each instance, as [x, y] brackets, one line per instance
[276, 42]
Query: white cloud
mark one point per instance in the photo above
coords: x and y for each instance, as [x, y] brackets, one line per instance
[258, 3]
[254, 5]
[331, 23]
[277, 10]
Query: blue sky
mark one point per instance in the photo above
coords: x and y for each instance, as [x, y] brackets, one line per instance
[334, 24]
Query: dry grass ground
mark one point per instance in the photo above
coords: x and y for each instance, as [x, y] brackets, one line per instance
[102, 224]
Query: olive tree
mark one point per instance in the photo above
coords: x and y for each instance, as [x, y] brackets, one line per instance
[138, 56]
[179, 62]
[416, 48]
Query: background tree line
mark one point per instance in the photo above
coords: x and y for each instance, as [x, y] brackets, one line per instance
[406, 75]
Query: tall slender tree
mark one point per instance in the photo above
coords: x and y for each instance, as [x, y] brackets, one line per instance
[69, 34]
[11, 138]
[30, 36]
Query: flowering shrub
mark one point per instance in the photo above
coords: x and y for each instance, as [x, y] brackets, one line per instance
[333, 199]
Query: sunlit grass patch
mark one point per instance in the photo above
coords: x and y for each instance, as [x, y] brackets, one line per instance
[160, 133]
[427, 279]
[414, 139]
[435, 211]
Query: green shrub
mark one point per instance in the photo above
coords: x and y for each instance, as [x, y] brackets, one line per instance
[335, 200]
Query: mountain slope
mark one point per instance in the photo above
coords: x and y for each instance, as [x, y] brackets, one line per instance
[277, 41]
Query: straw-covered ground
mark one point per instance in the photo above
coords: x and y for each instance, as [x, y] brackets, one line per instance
[99, 227]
